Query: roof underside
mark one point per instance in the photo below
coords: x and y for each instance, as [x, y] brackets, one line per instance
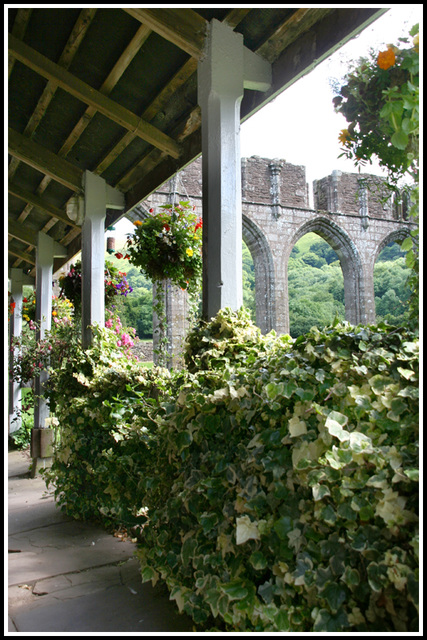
[114, 91]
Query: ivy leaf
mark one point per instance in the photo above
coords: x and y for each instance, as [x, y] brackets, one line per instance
[324, 621]
[334, 595]
[235, 590]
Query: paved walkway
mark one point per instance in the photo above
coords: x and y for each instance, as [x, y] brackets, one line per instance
[71, 576]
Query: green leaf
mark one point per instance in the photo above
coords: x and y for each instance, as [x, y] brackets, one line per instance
[400, 139]
[283, 526]
[324, 621]
[258, 560]
[320, 491]
[334, 595]
[235, 590]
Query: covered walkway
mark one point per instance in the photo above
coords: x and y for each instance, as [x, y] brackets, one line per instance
[68, 576]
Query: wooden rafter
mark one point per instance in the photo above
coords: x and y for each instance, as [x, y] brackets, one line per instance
[193, 120]
[84, 92]
[45, 161]
[183, 27]
[18, 30]
[76, 37]
[21, 233]
[26, 257]
[38, 202]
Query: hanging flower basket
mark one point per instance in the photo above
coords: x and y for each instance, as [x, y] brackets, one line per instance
[115, 284]
[167, 246]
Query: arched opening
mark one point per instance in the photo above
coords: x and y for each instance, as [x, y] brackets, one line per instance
[391, 286]
[315, 285]
[263, 271]
[349, 261]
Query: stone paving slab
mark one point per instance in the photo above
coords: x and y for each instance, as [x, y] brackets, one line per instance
[71, 576]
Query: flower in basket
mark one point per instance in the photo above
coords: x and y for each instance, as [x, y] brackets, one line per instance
[167, 246]
[29, 308]
[115, 284]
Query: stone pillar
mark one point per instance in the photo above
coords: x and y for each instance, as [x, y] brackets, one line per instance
[226, 68]
[275, 170]
[363, 202]
[17, 280]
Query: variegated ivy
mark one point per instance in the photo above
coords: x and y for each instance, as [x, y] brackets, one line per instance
[286, 489]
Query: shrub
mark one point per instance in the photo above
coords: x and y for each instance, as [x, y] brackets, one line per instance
[106, 406]
[284, 496]
[272, 485]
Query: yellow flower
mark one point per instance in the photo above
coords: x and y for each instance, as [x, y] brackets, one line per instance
[26, 318]
[416, 41]
[54, 313]
[137, 223]
[386, 59]
[344, 137]
[189, 252]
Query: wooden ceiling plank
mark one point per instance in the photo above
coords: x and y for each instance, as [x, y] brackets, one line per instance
[21, 233]
[38, 202]
[45, 161]
[183, 27]
[111, 109]
[290, 29]
[157, 104]
[113, 77]
[110, 82]
[21, 255]
[18, 30]
[79, 31]
[235, 17]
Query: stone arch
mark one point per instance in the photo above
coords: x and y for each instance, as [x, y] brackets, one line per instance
[398, 235]
[351, 264]
[262, 256]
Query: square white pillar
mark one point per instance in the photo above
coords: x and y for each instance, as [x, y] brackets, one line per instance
[226, 68]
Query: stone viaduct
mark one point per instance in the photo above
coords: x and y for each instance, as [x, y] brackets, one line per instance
[349, 212]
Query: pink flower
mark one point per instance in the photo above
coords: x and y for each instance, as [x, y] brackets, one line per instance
[109, 324]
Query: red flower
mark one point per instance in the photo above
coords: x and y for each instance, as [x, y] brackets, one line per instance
[118, 255]
[167, 227]
[151, 210]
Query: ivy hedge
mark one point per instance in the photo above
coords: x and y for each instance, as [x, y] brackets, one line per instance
[272, 484]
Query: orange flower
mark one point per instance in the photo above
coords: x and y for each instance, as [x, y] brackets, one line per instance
[386, 59]
[344, 137]
[137, 223]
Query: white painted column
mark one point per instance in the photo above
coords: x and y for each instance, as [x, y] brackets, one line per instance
[46, 250]
[17, 281]
[227, 67]
[97, 197]
[93, 251]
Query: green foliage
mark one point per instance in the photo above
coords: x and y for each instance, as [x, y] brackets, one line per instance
[380, 101]
[21, 438]
[272, 485]
[286, 490]
[106, 405]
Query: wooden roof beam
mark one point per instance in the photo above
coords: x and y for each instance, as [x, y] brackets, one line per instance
[183, 27]
[79, 31]
[26, 257]
[87, 94]
[21, 233]
[45, 161]
[36, 201]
